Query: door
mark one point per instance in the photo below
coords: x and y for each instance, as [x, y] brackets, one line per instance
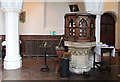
[107, 29]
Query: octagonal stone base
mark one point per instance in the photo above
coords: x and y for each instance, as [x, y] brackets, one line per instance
[79, 61]
[79, 64]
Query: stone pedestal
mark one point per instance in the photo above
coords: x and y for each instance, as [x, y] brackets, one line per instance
[79, 61]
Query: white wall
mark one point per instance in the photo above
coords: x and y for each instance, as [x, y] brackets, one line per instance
[55, 17]
[42, 18]
[34, 19]
[2, 28]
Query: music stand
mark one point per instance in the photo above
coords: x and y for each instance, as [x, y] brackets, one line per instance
[45, 46]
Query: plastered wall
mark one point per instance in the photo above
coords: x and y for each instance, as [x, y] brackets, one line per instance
[43, 18]
[2, 29]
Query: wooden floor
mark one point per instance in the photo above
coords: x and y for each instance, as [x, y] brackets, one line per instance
[0, 69]
[31, 71]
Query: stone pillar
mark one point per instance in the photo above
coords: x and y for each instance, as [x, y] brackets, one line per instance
[97, 22]
[12, 59]
[98, 18]
[12, 9]
[95, 7]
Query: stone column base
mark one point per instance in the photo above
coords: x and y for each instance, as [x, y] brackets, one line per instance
[79, 70]
[10, 65]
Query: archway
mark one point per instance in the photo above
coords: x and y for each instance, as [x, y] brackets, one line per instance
[108, 28]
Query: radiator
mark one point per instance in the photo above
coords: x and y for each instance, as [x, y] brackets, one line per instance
[35, 47]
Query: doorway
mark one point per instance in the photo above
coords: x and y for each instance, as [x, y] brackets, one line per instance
[107, 30]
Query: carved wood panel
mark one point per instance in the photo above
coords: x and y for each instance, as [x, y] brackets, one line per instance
[79, 27]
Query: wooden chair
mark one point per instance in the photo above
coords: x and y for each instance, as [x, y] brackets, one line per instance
[61, 54]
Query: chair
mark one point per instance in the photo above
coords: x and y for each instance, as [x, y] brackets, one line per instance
[60, 51]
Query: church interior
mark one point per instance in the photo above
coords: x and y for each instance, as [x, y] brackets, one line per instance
[59, 40]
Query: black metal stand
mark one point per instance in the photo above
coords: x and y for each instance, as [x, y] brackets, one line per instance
[45, 69]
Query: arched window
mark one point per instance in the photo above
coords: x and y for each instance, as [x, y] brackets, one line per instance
[83, 23]
[71, 22]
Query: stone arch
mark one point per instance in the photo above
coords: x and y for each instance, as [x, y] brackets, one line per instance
[113, 14]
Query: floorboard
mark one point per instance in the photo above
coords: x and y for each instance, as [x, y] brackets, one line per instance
[31, 71]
